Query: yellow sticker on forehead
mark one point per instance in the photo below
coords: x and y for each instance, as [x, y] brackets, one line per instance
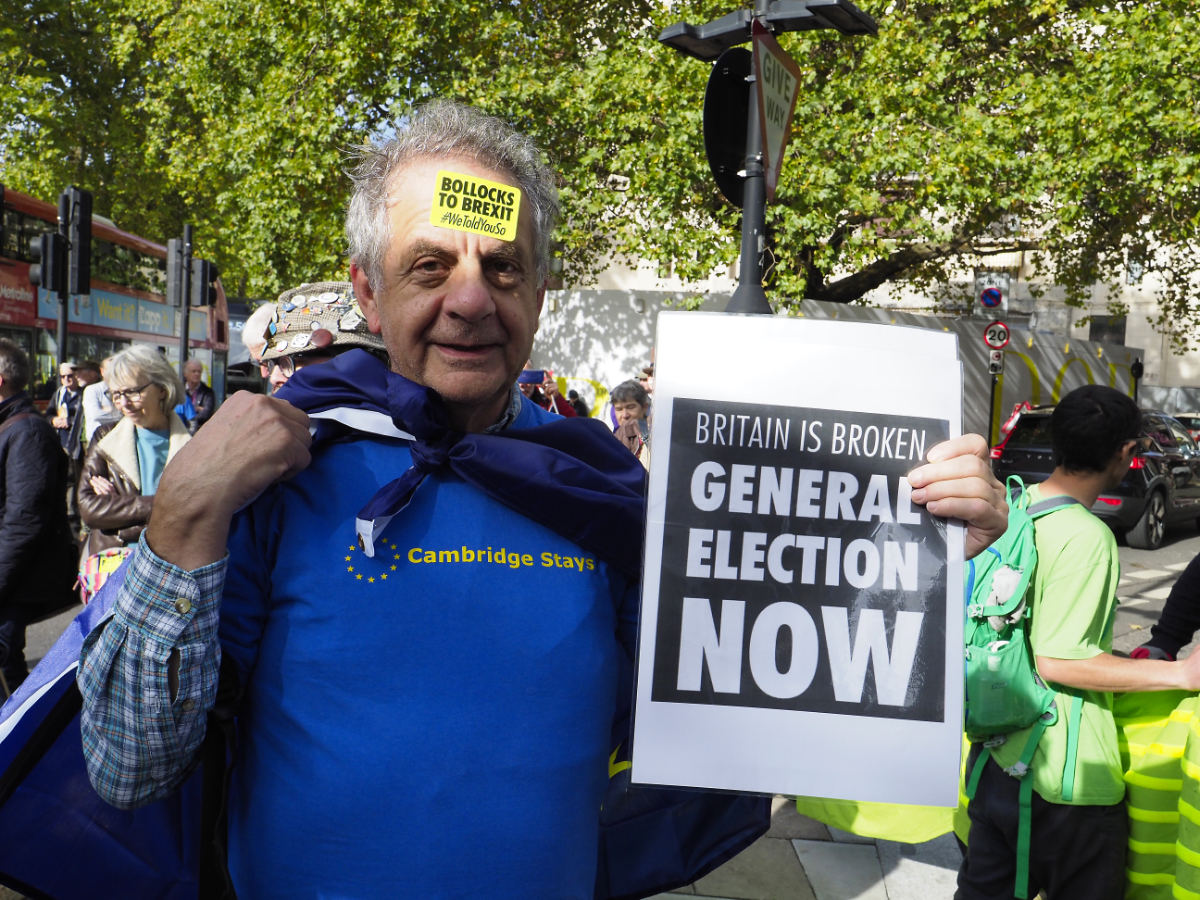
[467, 203]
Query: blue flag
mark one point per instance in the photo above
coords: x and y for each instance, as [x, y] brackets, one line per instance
[59, 839]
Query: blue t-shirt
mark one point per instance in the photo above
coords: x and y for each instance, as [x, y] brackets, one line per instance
[431, 722]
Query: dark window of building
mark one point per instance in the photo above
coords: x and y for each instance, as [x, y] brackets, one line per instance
[1107, 330]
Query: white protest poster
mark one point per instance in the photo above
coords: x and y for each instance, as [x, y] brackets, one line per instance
[801, 627]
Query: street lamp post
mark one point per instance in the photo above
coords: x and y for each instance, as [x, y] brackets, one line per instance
[707, 42]
[750, 296]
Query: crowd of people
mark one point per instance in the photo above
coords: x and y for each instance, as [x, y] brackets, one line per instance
[1047, 809]
[78, 480]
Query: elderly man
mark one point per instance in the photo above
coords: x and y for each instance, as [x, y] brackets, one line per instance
[98, 406]
[203, 400]
[64, 404]
[417, 650]
[65, 412]
[312, 324]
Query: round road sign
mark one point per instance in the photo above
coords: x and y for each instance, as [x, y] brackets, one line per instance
[996, 335]
[990, 297]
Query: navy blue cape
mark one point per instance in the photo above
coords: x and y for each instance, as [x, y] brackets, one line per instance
[59, 839]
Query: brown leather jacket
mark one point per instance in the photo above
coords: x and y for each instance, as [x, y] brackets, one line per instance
[118, 519]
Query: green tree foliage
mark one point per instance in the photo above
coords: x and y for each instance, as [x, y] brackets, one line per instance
[71, 109]
[1059, 128]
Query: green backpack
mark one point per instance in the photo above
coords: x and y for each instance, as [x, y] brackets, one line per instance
[1004, 692]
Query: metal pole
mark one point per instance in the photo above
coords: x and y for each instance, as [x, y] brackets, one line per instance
[749, 296]
[185, 311]
[992, 412]
[61, 335]
[64, 227]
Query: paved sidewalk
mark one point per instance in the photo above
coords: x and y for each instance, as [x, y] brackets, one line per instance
[802, 859]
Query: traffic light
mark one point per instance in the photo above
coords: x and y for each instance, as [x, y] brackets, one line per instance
[995, 362]
[50, 261]
[80, 235]
[175, 272]
[204, 283]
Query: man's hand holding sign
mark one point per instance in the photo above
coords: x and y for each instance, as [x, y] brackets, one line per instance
[957, 483]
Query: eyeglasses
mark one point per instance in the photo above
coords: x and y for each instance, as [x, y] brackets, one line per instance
[129, 394]
[284, 364]
[289, 364]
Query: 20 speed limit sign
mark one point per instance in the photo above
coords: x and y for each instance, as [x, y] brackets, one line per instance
[996, 335]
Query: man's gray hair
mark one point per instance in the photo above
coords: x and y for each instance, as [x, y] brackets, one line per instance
[139, 364]
[14, 365]
[445, 128]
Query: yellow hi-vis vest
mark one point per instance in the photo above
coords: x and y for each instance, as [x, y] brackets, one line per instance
[1160, 752]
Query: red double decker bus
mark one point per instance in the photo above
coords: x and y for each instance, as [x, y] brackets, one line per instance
[126, 305]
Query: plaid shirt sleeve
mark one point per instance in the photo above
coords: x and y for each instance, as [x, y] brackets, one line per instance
[139, 742]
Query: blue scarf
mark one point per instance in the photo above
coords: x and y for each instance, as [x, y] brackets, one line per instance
[569, 475]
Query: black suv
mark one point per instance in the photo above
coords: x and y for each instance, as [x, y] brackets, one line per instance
[1161, 487]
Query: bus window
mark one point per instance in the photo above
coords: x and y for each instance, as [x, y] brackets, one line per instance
[127, 267]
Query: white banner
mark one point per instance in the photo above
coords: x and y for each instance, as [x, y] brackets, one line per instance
[801, 628]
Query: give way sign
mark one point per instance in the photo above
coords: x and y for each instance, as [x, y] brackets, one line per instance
[778, 79]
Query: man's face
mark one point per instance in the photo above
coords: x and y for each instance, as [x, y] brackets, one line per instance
[457, 310]
[66, 377]
[191, 373]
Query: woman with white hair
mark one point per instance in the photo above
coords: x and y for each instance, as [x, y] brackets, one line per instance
[125, 459]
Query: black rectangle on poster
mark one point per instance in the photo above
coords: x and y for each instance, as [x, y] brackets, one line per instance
[796, 572]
